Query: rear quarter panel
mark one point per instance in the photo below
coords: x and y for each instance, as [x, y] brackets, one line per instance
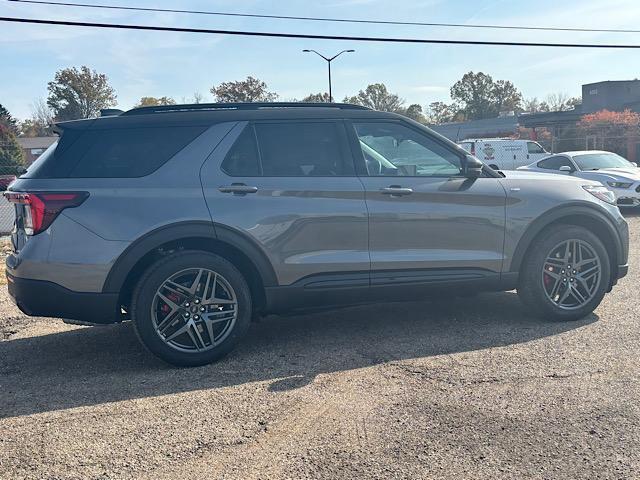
[84, 242]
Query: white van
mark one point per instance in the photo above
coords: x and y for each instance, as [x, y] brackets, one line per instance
[504, 153]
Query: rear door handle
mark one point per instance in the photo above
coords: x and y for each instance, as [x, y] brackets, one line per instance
[238, 189]
[396, 191]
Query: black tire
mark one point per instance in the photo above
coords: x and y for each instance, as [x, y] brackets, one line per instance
[156, 275]
[531, 289]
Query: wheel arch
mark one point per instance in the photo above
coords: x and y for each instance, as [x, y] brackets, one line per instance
[580, 215]
[235, 246]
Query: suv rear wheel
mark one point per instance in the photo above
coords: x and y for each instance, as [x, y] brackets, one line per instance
[191, 308]
[565, 273]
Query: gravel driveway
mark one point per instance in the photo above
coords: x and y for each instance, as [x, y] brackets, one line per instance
[471, 388]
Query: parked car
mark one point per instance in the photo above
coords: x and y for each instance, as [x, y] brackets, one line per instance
[191, 219]
[5, 181]
[613, 171]
[504, 153]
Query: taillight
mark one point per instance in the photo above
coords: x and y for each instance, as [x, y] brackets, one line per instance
[42, 208]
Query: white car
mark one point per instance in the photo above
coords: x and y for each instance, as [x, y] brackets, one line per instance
[614, 172]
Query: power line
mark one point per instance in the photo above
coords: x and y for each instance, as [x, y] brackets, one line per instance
[325, 19]
[312, 37]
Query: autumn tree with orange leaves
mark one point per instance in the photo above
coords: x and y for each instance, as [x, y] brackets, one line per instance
[612, 130]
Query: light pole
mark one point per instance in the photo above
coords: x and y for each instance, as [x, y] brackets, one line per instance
[329, 60]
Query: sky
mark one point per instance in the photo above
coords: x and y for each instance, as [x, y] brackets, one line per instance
[179, 64]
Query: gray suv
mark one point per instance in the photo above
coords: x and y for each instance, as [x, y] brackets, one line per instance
[192, 219]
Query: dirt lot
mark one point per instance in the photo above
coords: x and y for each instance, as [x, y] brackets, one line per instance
[477, 389]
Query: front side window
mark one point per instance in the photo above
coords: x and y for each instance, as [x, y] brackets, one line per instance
[533, 147]
[307, 149]
[392, 149]
[554, 163]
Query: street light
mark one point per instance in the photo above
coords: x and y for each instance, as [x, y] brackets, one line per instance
[329, 60]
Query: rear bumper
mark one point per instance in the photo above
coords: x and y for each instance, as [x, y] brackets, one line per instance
[38, 298]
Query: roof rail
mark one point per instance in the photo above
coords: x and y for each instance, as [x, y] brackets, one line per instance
[110, 112]
[239, 106]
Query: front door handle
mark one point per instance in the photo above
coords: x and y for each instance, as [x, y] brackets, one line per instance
[396, 191]
[238, 189]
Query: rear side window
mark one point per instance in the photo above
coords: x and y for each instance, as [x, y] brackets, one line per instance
[134, 152]
[554, 163]
[301, 150]
[115, 153]
[242, 160]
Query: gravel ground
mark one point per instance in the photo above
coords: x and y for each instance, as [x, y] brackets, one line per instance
[475, 389]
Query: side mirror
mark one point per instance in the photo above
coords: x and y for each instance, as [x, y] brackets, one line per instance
[566, 169]
[473, 167]
[634, 164]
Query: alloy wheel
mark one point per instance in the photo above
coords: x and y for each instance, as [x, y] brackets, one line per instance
[571, 274]
[194, 310]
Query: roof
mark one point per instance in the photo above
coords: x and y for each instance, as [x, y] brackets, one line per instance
[581, 152]
[209, 114]
[493, 139]
[635, 80]
[192, 107]
[544, 119]
[36, 142]
[489, 127]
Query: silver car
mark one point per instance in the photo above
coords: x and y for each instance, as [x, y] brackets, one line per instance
[190, 220]
[617, 174]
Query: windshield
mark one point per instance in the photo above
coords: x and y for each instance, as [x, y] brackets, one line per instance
[597, 161]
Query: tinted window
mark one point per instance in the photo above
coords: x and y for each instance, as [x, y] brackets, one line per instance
[301, 149]
[554, 163]
[133, 152]
[533, 147]
[242, 160]
[392, 149]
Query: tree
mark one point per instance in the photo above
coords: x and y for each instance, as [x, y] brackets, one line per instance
[249, 90]
[533, 105]
[414, 112]
[609, 128]
[7, 120]
[377, 97]
[41, 121]
[316, 98]
[562, 102]
[480, 97]
[440, 112]
[82, 93]
[154, 102]
[197, 97]
[573, 102]
[11, 155]
[506, 96]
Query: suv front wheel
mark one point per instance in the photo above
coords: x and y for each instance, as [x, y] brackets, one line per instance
[191, 308]
[565, 273]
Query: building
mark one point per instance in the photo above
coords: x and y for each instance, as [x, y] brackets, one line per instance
[610, 95]
[33, 147]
